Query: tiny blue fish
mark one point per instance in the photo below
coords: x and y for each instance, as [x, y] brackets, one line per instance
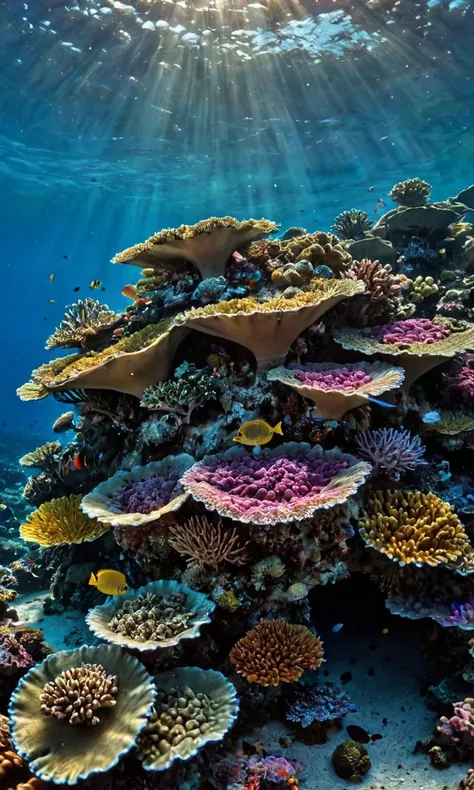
[336, 628]
[431, 417]
[383, 403]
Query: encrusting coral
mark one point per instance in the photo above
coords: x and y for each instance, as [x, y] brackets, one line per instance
[412, 527]
[276, 652]
[84, 325]
[61, 521]
[204, 542]
[411, 192]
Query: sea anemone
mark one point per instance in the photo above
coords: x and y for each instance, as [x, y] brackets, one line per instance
[61, 521]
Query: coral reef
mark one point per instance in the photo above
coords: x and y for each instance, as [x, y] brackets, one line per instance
[380, 300]
[44, 457]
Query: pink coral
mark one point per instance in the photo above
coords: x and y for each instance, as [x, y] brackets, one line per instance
[341, 378]
[460, 726]
[460, 382]
[390, 451]
[288, 483]
[406, 333]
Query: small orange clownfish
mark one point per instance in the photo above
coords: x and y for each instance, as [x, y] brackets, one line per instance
[80, 461]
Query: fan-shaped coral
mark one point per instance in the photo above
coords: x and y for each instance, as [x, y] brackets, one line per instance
[207, 543]
[61, 521]
[158, 615]
[336, 389]
[288, 483]
[207, 244]
[276, 652]
[130, 365]
[193, 707]
[390, 451]
[83, 326]
[269, 328]
[409, 526]
[144, 494]
[351, 224]
[44, 457]
[412, 192]
[418, 343]
[60, 753]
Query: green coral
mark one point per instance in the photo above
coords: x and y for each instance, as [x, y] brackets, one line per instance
[351, 760]
[189, 389]
[351, 224]
[412, 192]
[228, 600]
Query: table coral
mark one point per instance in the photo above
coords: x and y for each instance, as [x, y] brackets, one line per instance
[206, 543]
[45, 457]
[276, 652]
[61, 521]
[412, 527]
[144, 494]
[193, 707]
[336, 389]
[208, 244]
[391, 451]
[352, 224]
[57, 752]
[321, 703]
[411, 192]
[288, 483]
[84, 325]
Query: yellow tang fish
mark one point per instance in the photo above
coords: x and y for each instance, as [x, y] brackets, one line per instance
[109, 582]
[256, 432]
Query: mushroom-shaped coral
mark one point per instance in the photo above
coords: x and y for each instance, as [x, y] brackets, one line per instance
[158, 615]
[409, 526]
[130, 365]
[336, 389]
[85, 682]
[418, 343]
[288, 483]
[351, 760]
[407, 219]
[193, 707]
[84, 325]
[276, 652]
[146, 493]
[391, 451]
[207, 244]
[411, 192]
[351, 224]
[269, 328]
[206, 543]
[61, 521]
[44, 457]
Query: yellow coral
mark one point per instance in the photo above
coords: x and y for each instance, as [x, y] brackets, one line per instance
[419, 289]
[412, 527]
[228, 600]
[61, 521]
[43, 457]
[32, 391]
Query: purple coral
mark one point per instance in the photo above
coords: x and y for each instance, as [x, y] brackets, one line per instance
[406, 333]
[438, 607]
[240, 773]
[144, 496]
[459, 728]
[322, 703]
[390, 451]
[341, 379]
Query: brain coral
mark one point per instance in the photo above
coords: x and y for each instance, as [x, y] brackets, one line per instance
[193, 707]
[120, 620]
[336, 389]
[61, 521]
[288, 483]
[276, 652]
[144, 494]
[60, 753]
[409, 526]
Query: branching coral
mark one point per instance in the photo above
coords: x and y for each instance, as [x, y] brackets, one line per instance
[459, 728]
[269, 328]
[276, 652]
[83, 326]
[144, 494]
[320, 703]
[61, 521]
[44, 457]
[336, 389]
[289, 483]
[460, 381]
[412, 527]
[158, 615]
[351, 224]
[189, 389]
[207, 244]
[56, 751]
[412, 192]
[193, 707]
[78, 694]
[207, 543]
[391, 451]
[379, 302]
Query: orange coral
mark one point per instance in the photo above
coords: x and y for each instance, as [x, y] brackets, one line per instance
[276, 652]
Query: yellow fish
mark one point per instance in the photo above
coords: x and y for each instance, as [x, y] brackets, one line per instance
[109, 582]
[256, 432]
[51, 278]
[95, 284]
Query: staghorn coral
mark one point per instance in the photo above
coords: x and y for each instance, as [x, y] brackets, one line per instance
[61, 521]
[208, 244]
[84, 325]
[144, 494]
[193, 707]
[352, 224]
[269, 328]
[44, 457]
[351, 760]
[160, 614]
[288, 483]
[336, 389]
[205, 543]
[379, 302]
[78, 694]
[321, 703]
[391, 451]
[54, 750]
[412, 527]
[276, 652]
[411, 192]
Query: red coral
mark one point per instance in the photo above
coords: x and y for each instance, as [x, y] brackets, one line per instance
[460, 382]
